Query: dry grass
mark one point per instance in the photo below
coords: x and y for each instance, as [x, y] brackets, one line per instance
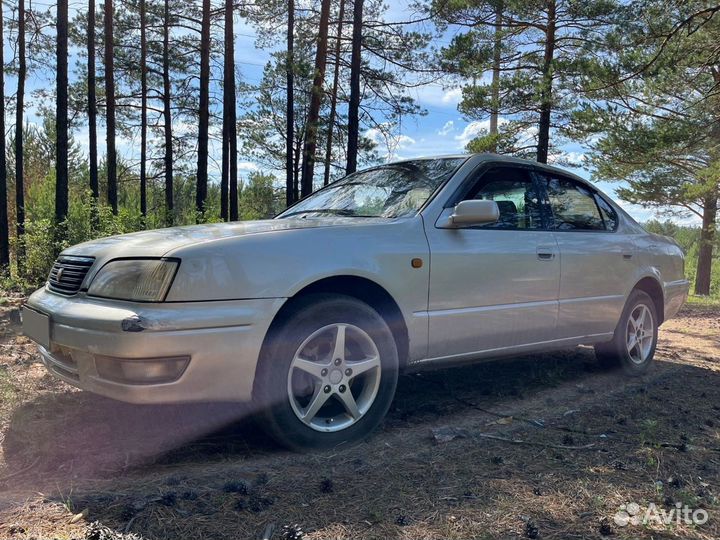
[172, 472]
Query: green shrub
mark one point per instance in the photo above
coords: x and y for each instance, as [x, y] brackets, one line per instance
[689, 240]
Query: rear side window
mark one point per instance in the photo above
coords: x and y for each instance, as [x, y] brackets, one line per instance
[608, 213]
[574, 207]
[514, 192]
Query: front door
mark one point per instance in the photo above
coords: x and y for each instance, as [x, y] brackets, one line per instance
[493, 286]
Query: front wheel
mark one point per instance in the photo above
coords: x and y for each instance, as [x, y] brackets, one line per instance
[633, 344]
[328, 374]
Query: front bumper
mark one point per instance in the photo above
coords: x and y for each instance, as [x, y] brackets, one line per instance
[221, 338]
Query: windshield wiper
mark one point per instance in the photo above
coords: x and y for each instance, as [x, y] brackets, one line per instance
[331, 211]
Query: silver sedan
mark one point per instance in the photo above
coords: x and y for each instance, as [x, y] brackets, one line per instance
[312, 314]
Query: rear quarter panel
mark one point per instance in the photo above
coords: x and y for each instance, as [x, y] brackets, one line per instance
[663, 259]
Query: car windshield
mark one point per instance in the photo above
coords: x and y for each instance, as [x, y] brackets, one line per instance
[390, 191]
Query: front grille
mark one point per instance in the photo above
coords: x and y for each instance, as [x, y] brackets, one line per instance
[68, 273]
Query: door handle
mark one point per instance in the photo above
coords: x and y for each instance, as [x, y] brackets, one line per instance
[545, 253]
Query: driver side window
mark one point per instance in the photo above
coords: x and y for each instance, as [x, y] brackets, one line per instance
[515, 194]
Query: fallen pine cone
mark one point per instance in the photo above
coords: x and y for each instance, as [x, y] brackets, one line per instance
[531, 530]
[292, 532]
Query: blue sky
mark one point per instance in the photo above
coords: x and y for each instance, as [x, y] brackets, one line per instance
[443, 130]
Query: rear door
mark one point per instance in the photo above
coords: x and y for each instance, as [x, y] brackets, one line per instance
[493, 286]
[595, 259]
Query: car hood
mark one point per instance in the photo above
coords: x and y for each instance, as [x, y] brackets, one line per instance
[158, 242]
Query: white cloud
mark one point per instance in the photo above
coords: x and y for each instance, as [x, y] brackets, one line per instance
[527, 136]
[248, 166]
[472, 130]
[447, 128]
[452, 96]
[567, 158]
[393, 143]
[434, 95]
[475, 128]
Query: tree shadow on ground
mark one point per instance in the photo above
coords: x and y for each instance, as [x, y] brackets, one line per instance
[80, 435]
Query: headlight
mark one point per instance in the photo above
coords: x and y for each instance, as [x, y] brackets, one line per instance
[143, 280]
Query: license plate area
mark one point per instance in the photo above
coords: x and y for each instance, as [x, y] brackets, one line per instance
[36, 326]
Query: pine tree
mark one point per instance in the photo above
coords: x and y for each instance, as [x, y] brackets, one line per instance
[495, 82]
[531, 49]
[110, 133]
[229, 135]
[354, 106]
[167, 116]
[19, 157]
[143, 107]
[334, 94]
[204, 113]
[316, 94]
[394, 60]
[291, 192]
[654, 118]
[92, 108]
[61, 119]
[4, 224]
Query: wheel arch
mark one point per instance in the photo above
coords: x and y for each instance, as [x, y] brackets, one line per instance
[361, 288]
[654, 290]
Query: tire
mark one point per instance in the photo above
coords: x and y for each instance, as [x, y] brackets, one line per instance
[633, 360]
[307, 382]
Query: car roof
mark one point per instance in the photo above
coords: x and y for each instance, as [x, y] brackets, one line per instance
[510, 160]
[499, 158]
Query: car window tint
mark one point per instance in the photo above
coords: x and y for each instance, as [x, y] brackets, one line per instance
[515, 194]
[608, 213]
[573, 206]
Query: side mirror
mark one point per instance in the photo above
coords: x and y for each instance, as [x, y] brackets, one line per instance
[474, 212]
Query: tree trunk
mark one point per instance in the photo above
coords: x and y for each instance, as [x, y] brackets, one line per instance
[92, 113]
[230, 176]
[4, 225]
[143, 111]
[334, 95]
[547, 86]
[354, 106]
[703, 277]
[19, 157]
[296, 167]
[233, 173]
[290, 194]
[111, 156]
[225, 172]
[167, 119]
[232, 121]
[495, 84]
[61, 123]
[313, 118]
[228, 63]
[204, 113]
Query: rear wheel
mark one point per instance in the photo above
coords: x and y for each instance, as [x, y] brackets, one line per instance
[328, 374]
[633, 344]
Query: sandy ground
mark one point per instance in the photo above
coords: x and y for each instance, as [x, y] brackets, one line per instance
[543, 446]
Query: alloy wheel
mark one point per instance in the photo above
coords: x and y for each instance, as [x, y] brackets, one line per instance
[334, 377]
[640, 333]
